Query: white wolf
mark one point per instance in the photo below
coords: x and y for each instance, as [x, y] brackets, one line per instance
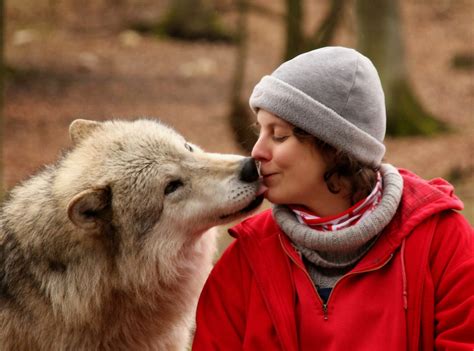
[105, 249]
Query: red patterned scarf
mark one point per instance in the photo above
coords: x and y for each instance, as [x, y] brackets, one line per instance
[345, 219]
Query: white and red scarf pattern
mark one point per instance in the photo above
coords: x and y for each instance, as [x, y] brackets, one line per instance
[345, 219]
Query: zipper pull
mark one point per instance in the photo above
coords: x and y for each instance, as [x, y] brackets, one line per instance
[325, 311]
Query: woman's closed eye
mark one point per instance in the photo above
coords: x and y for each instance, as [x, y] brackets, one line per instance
[280, 133]
[280, 138]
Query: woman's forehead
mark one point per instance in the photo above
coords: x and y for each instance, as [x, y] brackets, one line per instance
[265, 118]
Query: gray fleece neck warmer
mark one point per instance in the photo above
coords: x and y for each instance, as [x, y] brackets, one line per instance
[329, 255]
[333, 93]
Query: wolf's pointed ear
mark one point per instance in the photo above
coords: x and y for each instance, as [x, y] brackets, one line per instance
[90, 208]
[81, 128]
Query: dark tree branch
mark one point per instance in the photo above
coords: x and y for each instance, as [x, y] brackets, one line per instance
[324, 35]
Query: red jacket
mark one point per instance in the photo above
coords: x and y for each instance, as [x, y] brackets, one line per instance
[414, 290]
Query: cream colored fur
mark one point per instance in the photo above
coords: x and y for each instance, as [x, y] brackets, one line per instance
[97, 255]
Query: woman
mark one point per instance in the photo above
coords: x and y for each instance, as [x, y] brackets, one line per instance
[355, 254]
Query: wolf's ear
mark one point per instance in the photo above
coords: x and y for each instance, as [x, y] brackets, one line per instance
[90, 208]
[81, 128]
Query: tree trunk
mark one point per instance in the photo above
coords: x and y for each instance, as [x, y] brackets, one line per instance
[325, 32]
[294, 34]
[2, 92]
[296, 41]
[379, 39]
[240, 116]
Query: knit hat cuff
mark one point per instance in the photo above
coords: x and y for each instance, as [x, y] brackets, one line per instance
[298, 108]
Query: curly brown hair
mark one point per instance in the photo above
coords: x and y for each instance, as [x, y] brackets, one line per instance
[359, 177]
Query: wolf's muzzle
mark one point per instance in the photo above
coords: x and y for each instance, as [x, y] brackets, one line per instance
[249, 171]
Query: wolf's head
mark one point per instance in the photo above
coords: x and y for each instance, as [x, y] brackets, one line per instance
[142, 184]
[105, 246]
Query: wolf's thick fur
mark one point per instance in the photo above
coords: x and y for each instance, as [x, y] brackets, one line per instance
[105, 249]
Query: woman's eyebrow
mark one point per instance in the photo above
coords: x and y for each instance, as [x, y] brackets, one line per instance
[280, 125]
[272, 125]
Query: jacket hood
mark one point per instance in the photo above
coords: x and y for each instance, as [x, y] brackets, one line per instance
[420, 200]
[424, 198]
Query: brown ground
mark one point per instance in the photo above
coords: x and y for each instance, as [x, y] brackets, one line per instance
[69, 70]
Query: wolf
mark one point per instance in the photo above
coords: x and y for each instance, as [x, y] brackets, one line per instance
[108, 249]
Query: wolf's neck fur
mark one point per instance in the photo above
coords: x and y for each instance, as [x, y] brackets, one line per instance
[73, 282]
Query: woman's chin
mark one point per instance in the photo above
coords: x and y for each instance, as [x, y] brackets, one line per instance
[274, 198]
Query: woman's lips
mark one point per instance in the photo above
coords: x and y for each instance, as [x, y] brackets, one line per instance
[268, 177]
[265, 176]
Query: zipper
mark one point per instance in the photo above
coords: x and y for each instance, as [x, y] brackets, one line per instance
[325, 304]
[325, 308]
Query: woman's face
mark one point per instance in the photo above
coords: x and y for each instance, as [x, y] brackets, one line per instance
[292, 170]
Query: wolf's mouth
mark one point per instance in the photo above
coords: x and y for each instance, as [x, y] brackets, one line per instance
[251, 206]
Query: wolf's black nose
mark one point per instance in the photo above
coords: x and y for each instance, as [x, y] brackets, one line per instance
[249, 171]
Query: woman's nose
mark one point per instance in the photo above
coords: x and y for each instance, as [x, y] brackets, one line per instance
[260, 150]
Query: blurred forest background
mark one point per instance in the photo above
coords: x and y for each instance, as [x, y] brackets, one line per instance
[193, 64]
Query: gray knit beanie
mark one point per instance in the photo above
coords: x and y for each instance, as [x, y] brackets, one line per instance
[333, 93]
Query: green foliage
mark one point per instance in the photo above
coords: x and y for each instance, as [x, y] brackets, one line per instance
[406, 116]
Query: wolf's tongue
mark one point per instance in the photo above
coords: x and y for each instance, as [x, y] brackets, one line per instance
[261, 189]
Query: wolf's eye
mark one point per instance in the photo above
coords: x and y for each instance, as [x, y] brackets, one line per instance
[188, 147]
[173, 186]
